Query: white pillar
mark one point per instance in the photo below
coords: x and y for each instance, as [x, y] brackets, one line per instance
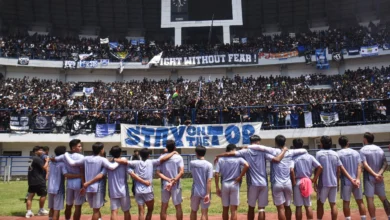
[177, 36]
[226, 34]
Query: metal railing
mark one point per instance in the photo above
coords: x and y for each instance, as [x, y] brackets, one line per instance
[273, 117]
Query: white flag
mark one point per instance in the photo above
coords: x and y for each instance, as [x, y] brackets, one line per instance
[84, 56]
[104, 40]
[121, 66]
[156, 59]
[308, 120]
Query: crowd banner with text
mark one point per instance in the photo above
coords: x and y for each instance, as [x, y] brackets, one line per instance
[353, 51]
[103, 130]
[208, 135]
[70, 64]
[369, 51]
[19, 123]
[223, 59]
[24, 60]
[89, 64]
[279, 55]
[43, 123]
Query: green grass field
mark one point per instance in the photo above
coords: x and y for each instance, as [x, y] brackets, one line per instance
[12, 199]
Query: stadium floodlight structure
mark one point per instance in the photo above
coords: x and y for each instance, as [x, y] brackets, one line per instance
[168, 8]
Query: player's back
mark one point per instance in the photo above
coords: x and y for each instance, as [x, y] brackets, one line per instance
[229, 168]
[117, 182]
[303, 165]
[374, 157]
[171, 167]
[56, 179]
[201, 170]
[256, 175]
[350, 159]
[329, 160]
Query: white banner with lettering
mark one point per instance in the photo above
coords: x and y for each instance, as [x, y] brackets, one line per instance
[208, 135]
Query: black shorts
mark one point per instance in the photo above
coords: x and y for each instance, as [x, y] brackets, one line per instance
[39, 190]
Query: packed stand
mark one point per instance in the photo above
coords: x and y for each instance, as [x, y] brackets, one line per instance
[57, 48]
[227, 100]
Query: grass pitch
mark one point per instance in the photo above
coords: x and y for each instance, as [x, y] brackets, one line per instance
[12, 199]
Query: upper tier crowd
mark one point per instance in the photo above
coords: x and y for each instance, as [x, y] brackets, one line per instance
[58, 48]
[203, 101]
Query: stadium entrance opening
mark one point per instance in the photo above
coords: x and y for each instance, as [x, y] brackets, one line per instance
[200, 35]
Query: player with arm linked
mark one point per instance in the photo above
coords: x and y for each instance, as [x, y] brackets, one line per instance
[256, 177]
[142, 173]
[73, 186]
[170, 173]
[280, 175]
[301, 175]
[352, 162]
[229, 169]
[202, 174]
[93, 165]
[375, 164]
[56, 184]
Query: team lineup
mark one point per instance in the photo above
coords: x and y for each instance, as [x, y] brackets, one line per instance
[294, 174]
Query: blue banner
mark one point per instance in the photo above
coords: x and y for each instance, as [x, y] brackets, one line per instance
[294, 120]
[134, 42]
[141, 41]
[322, 61]
[353, 51]
[89, 64]
[103, 130]
[211, 136]
[386, 46]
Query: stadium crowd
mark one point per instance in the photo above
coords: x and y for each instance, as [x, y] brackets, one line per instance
[58, 48]
[294, 174]
[228, 100]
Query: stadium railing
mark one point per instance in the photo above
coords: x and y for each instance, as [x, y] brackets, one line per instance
[273, 117]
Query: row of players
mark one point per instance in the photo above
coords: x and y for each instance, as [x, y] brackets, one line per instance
[291, 171]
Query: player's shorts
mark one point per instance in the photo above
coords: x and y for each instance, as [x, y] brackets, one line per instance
[175, 193]
[299, 200]
[230, 194]
[372, 188]
[95, 200]
[258, 194]
[123, 203]
[73, 197]
[141, 199]
[329, 193]
[40, 190]
[348, 190]
[282, 193]
[56, 201]
[196, 201]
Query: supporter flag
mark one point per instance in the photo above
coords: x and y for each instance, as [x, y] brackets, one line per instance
[121, 66]
[353, 51]
[369, 51]
[88, 91]
[78, 126]
[236, 40]
[308, 120]
[19, 124]
[24, 60]
[307, 57]
[322, 61]
[104, 62]
[156, 59]
[113, 45]
[134, 42]
[337, 56]
[294, 120]
[43, 123]
[103, 130]
[85, 56]
[386, 46]
[141, 41]
[104, 40]
[69, 64]
[301, 50]
[244, 40]
[329, 118]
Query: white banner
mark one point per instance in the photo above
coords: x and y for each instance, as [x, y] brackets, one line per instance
[308, 120]
[369, 51]
[104, 40]
[70, 64]
[210, 136]
[84, 56]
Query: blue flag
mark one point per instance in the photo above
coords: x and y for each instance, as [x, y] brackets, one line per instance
[322, 61]
[103, 130]
[294, 120]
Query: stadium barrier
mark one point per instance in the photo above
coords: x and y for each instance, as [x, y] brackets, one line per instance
[19, 165]
[273, 117]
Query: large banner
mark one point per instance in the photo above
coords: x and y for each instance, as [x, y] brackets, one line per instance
[213, 136]
[19, 123]
[329, 118]
[223, 59]
[43, 123]
[369, 51]
[283, 55]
